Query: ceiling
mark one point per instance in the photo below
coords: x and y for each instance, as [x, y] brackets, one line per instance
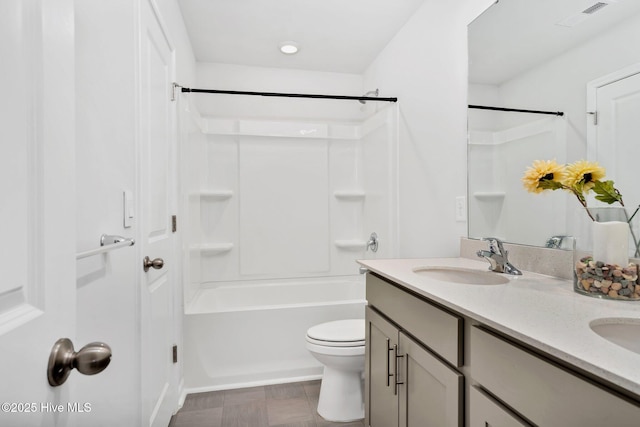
[341, 36]
[515, 35]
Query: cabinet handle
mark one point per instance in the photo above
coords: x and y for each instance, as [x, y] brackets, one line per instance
[389, 350]
[398, 356]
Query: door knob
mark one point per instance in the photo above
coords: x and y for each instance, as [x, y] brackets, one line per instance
[148, 263]
[91, 359]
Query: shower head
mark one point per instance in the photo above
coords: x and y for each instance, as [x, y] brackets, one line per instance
[370, 93]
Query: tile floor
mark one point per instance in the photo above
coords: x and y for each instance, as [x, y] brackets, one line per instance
[281, 405]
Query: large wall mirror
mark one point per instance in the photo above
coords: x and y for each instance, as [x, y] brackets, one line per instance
[577, 57]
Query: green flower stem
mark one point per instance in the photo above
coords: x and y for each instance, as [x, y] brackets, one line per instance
[582, 201]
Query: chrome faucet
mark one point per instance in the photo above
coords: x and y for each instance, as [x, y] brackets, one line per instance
[497, 257]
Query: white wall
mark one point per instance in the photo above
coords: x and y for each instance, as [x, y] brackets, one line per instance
[106, 164]
[425, 66]
[379, 176]
[107, 287]
[174, 24]
[560, 84]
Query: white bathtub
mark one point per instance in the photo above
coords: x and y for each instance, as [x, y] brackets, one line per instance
[241, 335]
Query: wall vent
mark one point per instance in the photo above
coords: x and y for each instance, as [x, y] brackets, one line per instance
[577, 18]
[594, 8]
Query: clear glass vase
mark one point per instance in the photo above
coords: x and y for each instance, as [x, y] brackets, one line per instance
[602, 268]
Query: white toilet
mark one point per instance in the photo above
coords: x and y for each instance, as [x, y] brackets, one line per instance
[339, 346]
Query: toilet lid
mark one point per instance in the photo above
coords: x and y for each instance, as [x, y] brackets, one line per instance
[349, 331]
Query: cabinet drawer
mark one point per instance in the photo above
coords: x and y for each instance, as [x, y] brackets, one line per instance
[487, 412]
[436, 328]
[542, 392]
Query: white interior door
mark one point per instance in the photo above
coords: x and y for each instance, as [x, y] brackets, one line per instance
[157, 190]
[616, 132]
[37, 255]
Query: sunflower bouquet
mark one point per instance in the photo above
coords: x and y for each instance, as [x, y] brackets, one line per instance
[578, 178]
[591, 276]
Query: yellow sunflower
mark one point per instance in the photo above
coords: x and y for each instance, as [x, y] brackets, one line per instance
[543, 172]
[582, 175]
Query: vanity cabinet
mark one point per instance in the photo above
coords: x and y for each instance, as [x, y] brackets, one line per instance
[541, 391]
[430, 392]
[407, 382]
[485, 411]
[416, 375]
[381, 392]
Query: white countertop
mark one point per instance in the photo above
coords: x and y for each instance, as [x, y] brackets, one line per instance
[539, 310]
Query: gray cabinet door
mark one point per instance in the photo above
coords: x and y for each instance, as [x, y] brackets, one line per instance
[486, 412]
[381, 400]
[432, 393]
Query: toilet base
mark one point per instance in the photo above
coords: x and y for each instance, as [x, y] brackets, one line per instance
[341, 395]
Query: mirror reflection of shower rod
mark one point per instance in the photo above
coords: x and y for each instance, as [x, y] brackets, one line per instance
[284, 95]
[516, 110]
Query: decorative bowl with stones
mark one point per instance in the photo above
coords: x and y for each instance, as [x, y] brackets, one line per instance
[602, 280]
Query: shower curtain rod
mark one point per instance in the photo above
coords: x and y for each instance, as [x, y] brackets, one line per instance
[482, 107]
[287, 95]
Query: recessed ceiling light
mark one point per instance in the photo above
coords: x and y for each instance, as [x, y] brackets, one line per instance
[289, 47]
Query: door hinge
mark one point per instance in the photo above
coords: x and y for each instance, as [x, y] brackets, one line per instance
[174, 223]
[175, 353]
[595, 117]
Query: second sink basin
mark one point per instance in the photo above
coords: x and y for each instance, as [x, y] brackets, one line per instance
[624, 332]
[462, 275]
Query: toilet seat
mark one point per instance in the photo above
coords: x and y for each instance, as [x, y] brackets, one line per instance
[328, 350]
[339, 333]
[335, 343]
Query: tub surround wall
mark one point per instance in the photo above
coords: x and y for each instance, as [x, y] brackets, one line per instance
[283, 199]
[289, 187]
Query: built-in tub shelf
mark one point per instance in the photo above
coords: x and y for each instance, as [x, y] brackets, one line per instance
[349, 195]
[351, 245]
[212, 248]
[213, 194]
[489, 195]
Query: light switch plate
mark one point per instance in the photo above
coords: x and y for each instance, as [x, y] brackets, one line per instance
[461, 208]
[127, 208]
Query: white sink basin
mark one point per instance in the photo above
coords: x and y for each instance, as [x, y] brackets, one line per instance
[462, 275]
[624, 332]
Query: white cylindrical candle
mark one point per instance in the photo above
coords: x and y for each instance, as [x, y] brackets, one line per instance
[611, 242]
